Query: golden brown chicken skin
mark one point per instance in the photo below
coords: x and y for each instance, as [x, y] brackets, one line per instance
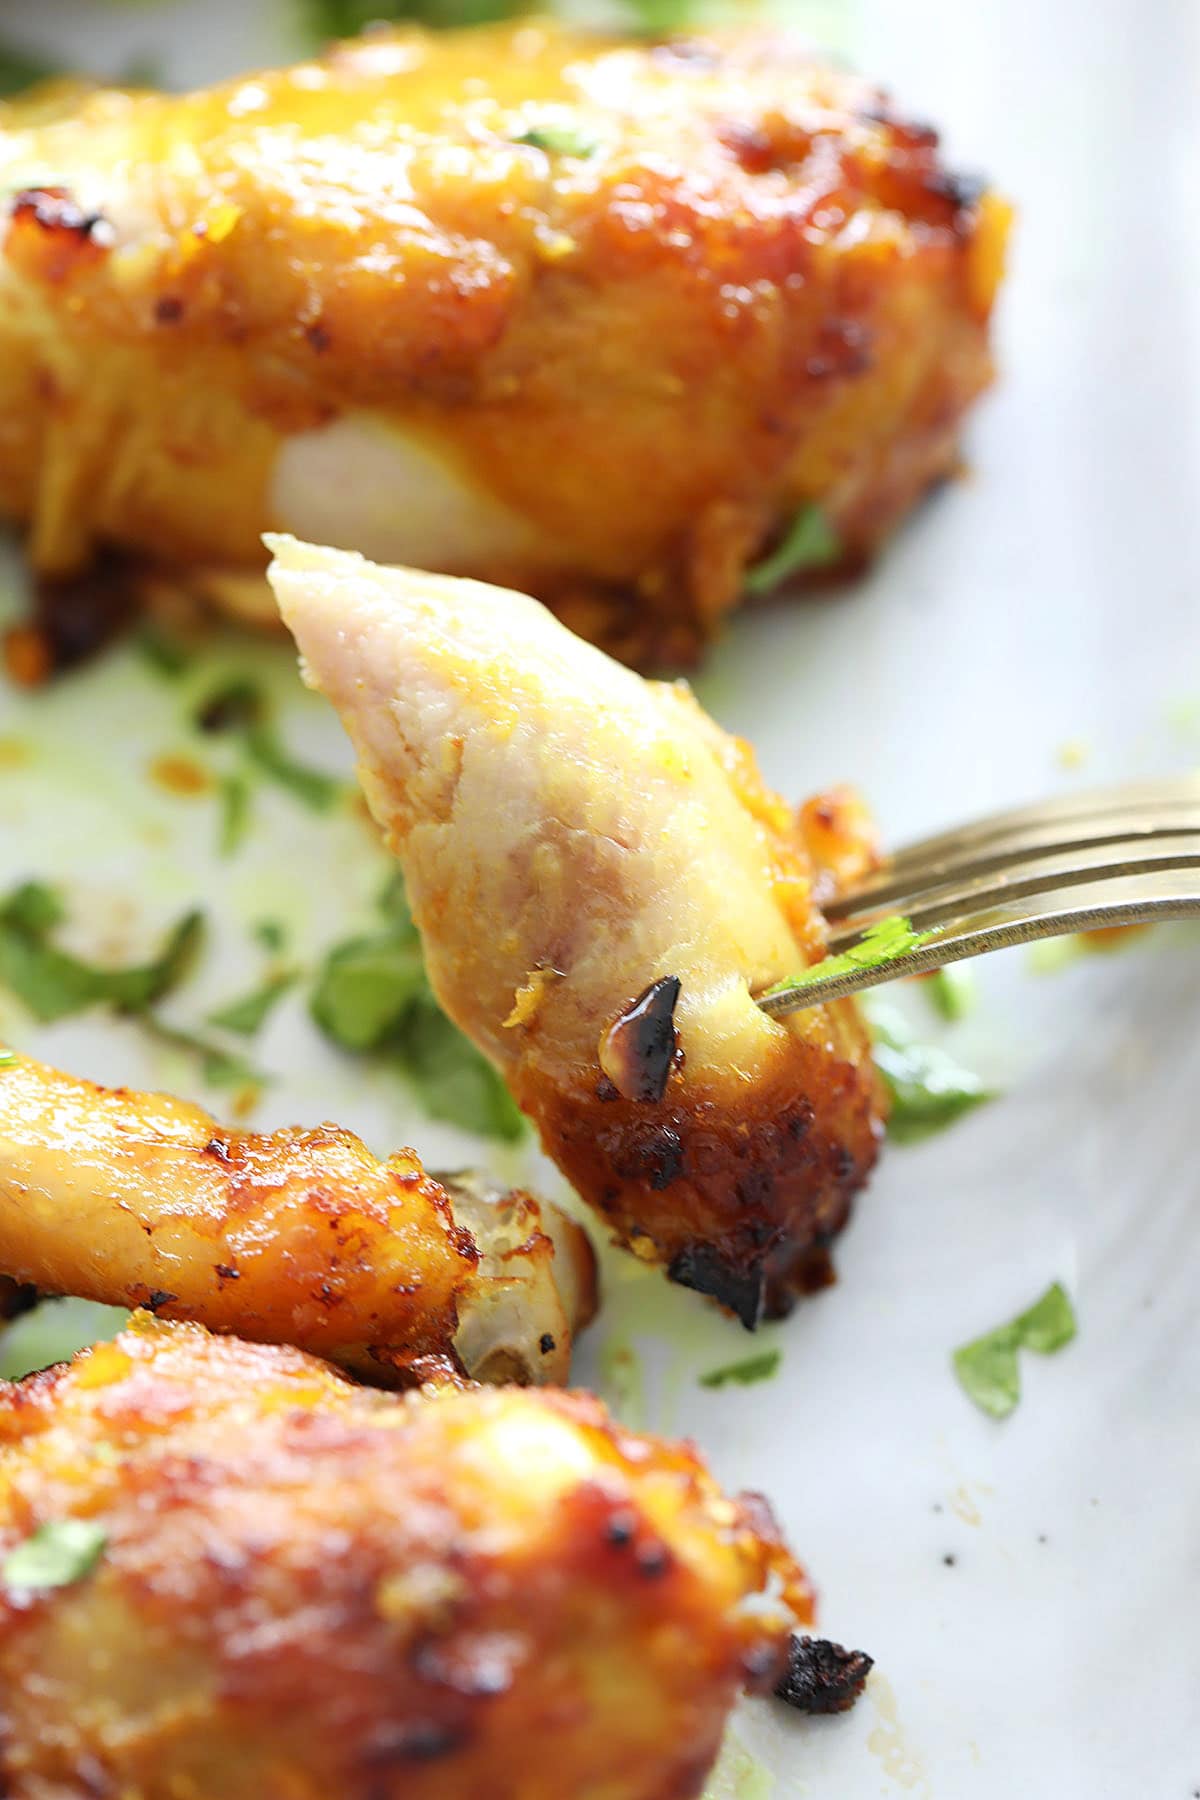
[590, 318]
[305, 1589]
[576, 839]
[294, 1236]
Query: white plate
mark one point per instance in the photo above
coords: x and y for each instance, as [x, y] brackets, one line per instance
[1049, 599]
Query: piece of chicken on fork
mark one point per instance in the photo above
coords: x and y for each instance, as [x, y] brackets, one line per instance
[273, 1585]
[294, 1236]
[592, 319]
[602, 883]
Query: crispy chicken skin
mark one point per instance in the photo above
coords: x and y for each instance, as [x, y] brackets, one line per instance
[308, 1589]
[588, 318]
[298, 1237]
[572, 835]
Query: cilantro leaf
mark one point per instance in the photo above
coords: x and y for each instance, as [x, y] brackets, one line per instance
[271, 934]
[52, 1331]
[34, 908]
[238, 707]
[562, 139]
[162, 653]
[393, 904]
[951, 992]
[312, 787]
[453, 1080]
[58, 1553]
[810, 542]
[988, 1369]
[881, 943]
[372, 996]
[234, 793]
[928, 1089]
[53, 984]
[365, 989]
[20, 69]
[221, 1068]
[250, 1012]
[1049, 1323]
[346, 18]
[746, 1372]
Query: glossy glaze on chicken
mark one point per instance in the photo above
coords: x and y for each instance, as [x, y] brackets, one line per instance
[590, 318]
[576, 841]
[305, 1590]
[295, 1236]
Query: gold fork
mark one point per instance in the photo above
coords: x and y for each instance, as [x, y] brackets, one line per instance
[1120, 856]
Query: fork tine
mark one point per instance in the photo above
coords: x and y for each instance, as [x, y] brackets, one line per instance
[1033, 873]
[1139, 899]
[1142, 810]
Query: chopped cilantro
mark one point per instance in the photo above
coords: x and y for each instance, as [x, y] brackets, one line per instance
[164, 654]
[372, 996]
[951, 992]
[366, 987]
[54, 984]
[33, 908]
[7, 1056]
[746, 1372]
[58, 1553]
[52, 1331]
[928, 1089]
[558, 140]
[221, 1068]
[988, 1368]
[20, 69]
[271, 934]
[393, 904]
[238, 707]
[312, 787]
[661, 17]
[810, 542]
[234, 795]
[233, 706]
[250, 1012]
[881, 943]
[454, 1082]
[346, 18]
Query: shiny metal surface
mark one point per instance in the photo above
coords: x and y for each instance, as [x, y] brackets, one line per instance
[1122, 856]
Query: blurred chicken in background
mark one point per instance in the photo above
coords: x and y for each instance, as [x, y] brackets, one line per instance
[634, 327]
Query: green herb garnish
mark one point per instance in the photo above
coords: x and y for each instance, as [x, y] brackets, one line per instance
[52, 1331]
[164, 654]
[53, 984]
[58, 1553]
[238, 708]
[558, 140]
[928, 1089]
[20, 69]
[234, 795]
[271, 934]
[454, 1082]
[346, 18]
[220, 1068]
[744, 1373]
[366, 987]
[312, 787]
[810, 542]
[250, 1012]
[988, 1368]
[881, 943]
[372, 996]
[951, 992]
